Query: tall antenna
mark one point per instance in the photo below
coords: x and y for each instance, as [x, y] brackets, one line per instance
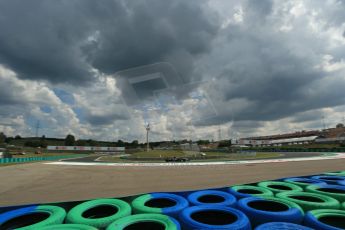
[37, 127]
[219, 133]
[323, 121]
[147, 137]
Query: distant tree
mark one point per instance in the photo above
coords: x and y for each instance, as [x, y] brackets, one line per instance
[17, 137]
[81, 142]
[69, 140]
[120, 143]
[33, 144]
[135, 143]
[43, 142]
[91, 142]
[2, 138]
[9, 139]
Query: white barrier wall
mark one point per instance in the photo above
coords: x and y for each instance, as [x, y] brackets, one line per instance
[87, 148]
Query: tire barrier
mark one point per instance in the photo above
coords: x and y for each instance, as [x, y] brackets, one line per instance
[98, 213]
[211, 197]
[262, 210]
[335, 191]
[208, 217]
[150, 221]
[32, 217]
[343, 206]
[281, 226]
[160, 203]
[303, 182]
[325, 219]
[242, 191]
[279, 186]
[309, 201]
[330, 179]
[68, 227]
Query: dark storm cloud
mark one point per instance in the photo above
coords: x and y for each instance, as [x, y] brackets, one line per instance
[105, 119]
[61, 40]
[266, 77]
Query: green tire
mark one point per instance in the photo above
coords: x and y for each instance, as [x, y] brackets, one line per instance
[241, 191]
[340, 173]
[310, 201]
[90, 212]
[279, 186]
[68, 227]
[143, 221]
[337, 194]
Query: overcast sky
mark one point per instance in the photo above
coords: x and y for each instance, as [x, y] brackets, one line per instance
[103, 69]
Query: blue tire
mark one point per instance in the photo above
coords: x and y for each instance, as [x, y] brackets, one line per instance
[341, 183]
[303, 182]
[208, 217]
[325, 219]
[262, 210]
[281, 226]
[242, 191]
[160, 203]
[211, 197]
[333, 180]
[32, 217]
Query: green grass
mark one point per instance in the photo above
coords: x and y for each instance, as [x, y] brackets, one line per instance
[159, 154]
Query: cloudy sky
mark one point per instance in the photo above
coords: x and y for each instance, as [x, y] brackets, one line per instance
[104, 69]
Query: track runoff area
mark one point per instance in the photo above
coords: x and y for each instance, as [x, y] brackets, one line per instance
[97, 161]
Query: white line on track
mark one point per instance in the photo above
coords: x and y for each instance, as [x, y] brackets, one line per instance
[335, 156]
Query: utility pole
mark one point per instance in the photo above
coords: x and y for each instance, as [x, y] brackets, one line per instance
[37, 127]
[219, 133]
[147, 137]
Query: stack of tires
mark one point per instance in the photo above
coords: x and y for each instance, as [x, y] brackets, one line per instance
[309, 202]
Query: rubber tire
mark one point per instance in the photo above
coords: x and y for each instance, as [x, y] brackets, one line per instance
[68, 227]
[169, 222]
[229, 200]
[267, 184]
[339, 196]
[186, 221]
[138, 204]
[303, 182]
[281, 226]
[341, 183]
[56, 215]
[263, 191]
[328, 181]
[340, 173]
[312, 218]
[294, 214]
[328, 202]
[75, 215]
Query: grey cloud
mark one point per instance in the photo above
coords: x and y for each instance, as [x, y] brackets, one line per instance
[61, 41]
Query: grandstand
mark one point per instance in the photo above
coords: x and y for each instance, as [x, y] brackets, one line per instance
[330, 135]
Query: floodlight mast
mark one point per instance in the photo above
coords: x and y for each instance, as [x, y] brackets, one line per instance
[147, 137]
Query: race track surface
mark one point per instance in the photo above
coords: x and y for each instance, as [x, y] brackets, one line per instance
[42, 182]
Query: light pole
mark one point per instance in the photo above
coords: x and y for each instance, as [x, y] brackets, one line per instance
[147, 137]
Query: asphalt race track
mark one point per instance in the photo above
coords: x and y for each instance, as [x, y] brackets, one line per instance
[283, 156]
